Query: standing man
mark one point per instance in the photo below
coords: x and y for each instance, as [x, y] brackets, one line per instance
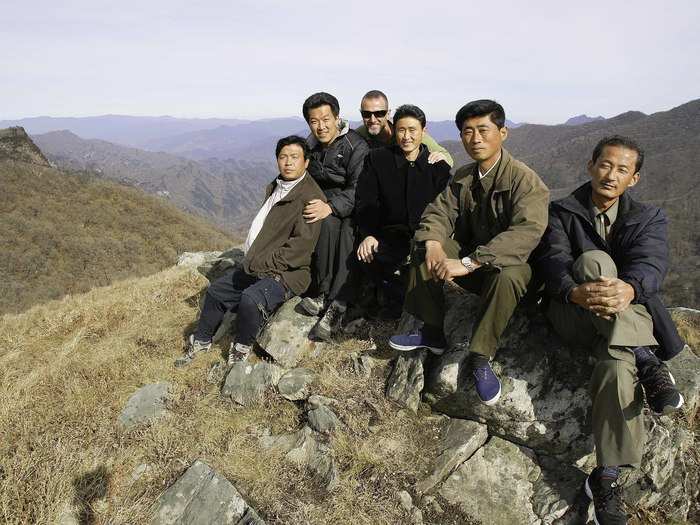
[603, 259]
[396, 185]
[378, 130]
[337, 157]
[479, 233]
[277, 258]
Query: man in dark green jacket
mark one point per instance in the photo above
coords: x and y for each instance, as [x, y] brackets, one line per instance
[478, 233]
[277, 259]
[378, 129]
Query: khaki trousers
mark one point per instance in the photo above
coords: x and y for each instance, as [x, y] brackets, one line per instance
[499, 291]
[618, 426]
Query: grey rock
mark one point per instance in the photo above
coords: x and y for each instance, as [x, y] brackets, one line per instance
[323, 419]
[317, 401]
[362, 364]
[685, 368]
[247, 383]
[145, 405]
[305, 449]
[285, 337]
[294, 384]
[227, 326]
[417, 516]
[213, 268]
[195, 259]
[405, 500]
[216, 373]
[140, 471]
[68, 516]
[200, 497]
[460, 440]
[495, 484]
[406, 380]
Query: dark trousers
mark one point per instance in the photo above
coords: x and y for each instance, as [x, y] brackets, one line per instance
[391, 256]
[252, 298]
[499, 291]
[332, 257]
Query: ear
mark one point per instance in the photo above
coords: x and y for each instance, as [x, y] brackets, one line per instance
[634, 180]
[306, 163]
[504, 133]
[589, 166]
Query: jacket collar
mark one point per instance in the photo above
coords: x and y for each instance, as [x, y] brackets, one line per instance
[421, 160]
[502, 179]
[628, 209]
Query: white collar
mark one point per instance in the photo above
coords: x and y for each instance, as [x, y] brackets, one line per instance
[482, 175]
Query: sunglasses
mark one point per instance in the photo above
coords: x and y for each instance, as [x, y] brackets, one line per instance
[378, 114]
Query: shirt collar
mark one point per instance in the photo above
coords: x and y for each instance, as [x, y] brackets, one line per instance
[482, 175]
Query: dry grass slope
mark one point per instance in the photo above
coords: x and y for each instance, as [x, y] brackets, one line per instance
[68, 367]
[66, 233]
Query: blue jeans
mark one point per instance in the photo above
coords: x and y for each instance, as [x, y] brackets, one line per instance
[253, 298]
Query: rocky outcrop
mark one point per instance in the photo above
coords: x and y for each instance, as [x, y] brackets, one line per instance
[286, 336]
[247, 383]
[201, 497]
[16, 145]
[540, 429]
[145, 405]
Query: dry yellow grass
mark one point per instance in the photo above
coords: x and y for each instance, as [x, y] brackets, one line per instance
[68, 367]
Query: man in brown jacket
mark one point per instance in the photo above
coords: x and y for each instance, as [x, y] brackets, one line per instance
[277, 258]
[478, 233]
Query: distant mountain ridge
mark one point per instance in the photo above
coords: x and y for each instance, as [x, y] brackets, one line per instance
[582, 119]
[225, 192]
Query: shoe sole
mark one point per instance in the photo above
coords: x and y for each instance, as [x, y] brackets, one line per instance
[669, 409]
[312, 311]
[407, 348]
[589, 493]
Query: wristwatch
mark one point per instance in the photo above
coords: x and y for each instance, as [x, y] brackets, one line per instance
[468, 264]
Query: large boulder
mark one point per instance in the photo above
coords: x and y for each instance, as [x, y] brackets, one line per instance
[247, 383]
[286, 335]
[200, 497]
[545, 406]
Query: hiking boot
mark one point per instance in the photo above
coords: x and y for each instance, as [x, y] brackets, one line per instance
[192, 348]
[238, 352]
[660, 387]
[426, 337]
[313, 305]
[326, 325]
[602, 487]
[487, 384]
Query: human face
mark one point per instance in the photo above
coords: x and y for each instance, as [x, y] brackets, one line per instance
[611, 174]
[409, 135]
[323, 124]
[482, 140]
[374, 124]
[291, 162]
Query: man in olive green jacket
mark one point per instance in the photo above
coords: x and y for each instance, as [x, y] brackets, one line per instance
[378, 130]
[478, 233]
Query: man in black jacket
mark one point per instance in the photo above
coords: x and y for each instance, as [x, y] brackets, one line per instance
[603, 259]
[337, 157]
[396, 185]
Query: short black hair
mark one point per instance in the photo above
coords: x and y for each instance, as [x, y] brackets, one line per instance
[375, 93]
[320, 99]
[480, 108]
[624, 142]
[291, 140]
[409, 110]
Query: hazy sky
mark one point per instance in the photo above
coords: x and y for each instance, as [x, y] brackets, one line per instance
[543, 60]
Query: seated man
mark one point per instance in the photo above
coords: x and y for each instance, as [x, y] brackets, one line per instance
[396, 185]
[603, 259]
[277, 258]
[479, 233]
[378, 130]
[337, 157]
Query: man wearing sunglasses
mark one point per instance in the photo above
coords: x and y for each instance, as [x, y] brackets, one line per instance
[379, 131]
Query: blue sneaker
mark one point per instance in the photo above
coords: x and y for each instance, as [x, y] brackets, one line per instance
[419, 339]
[488, 387]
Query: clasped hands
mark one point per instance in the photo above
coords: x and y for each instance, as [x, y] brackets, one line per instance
[440, 267]
[605, 297]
